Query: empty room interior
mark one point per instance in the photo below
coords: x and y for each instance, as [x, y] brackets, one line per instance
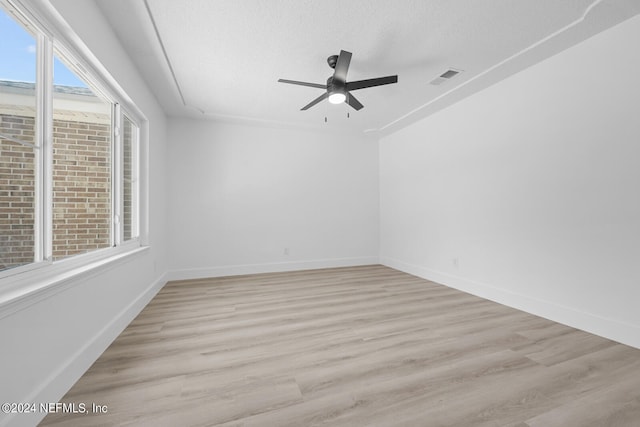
[320, 213]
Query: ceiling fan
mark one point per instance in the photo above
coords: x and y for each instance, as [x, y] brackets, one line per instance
[338, 88]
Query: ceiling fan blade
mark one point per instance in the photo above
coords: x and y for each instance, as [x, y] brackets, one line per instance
[294, 82]
[340, 73]
[315, 101]
[361, 84]
[352, 101]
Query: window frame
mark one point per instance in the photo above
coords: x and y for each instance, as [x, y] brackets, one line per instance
[52, 34]
[70, 61]
[135, 178]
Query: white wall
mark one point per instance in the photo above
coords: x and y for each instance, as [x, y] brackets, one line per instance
[240, 195]
[532, 185]
[47, 346]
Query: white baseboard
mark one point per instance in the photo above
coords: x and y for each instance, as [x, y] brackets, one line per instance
[612, 329]
[272, 267]
[60, 381]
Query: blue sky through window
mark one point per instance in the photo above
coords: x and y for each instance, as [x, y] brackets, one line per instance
[18, 56]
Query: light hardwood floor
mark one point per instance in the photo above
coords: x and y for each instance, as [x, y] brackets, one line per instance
[358, 346]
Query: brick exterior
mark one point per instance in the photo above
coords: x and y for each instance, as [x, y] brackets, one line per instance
[81, 187]
[127, 207]
[17, 177]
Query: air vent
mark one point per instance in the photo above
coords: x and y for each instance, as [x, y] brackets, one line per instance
[447, 75]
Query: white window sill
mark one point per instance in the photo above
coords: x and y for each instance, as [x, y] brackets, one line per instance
[22, 290]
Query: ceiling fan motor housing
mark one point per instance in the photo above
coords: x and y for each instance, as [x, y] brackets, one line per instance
[336, 86]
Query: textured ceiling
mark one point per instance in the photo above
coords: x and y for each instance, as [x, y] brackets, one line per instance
[221, 59]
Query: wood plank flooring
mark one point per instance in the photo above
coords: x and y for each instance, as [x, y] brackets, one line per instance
[358, 346]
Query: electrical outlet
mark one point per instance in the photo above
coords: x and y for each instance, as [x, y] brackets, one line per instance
[456, 263]
[286, 251]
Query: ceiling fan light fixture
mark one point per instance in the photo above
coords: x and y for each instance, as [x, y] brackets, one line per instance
[338, 89]
[337, 98]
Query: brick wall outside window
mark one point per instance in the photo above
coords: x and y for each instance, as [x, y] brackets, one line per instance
[127, 165]
[81, 186]
[17, 177]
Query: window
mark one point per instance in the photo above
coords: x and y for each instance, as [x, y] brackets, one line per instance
[130, 178]
[18, 144]
[69, 151]
[82, 152]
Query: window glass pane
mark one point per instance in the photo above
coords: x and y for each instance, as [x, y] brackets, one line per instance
[130, 181]
[17, 137]
[81, 166]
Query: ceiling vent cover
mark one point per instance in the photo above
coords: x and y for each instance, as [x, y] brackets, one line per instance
[446, 76]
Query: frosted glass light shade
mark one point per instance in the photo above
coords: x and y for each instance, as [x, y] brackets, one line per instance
[337, 98]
